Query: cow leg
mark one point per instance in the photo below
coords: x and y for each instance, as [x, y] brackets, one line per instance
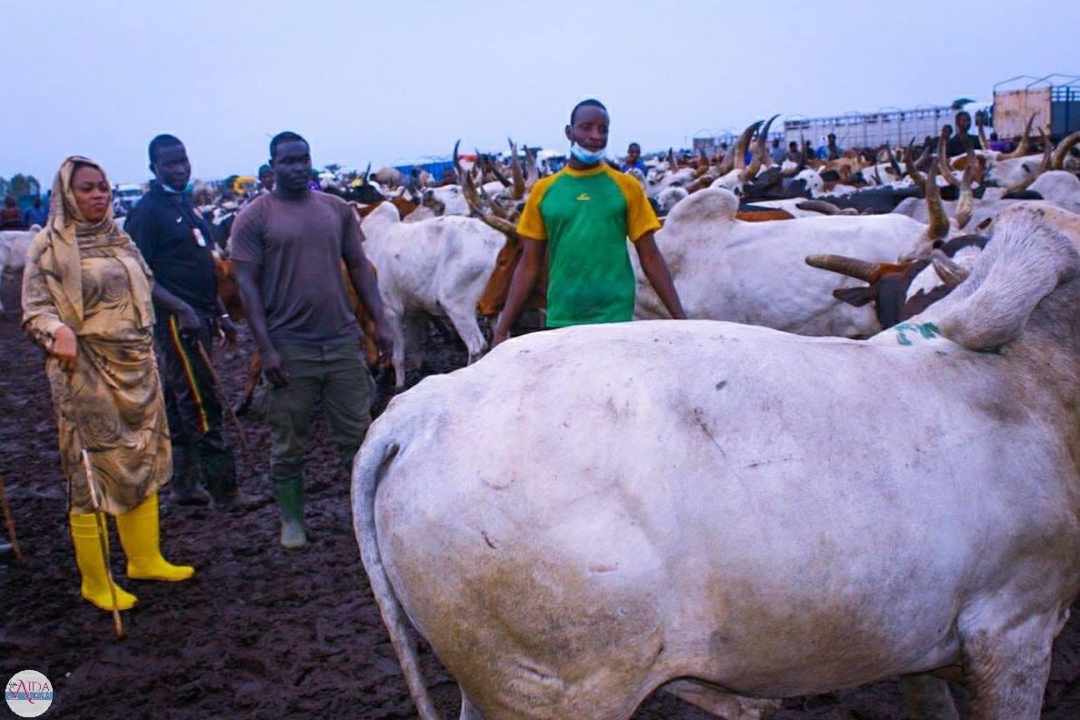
[468, 710]
[464, 321]
[927, 698]
[719, 703]
[1006, 664]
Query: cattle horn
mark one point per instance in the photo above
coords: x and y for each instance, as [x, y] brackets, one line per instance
[877, 173]
[966, 205]
[982, 131]
[738, 155]
[939, 221]
[892, 162]
[1025, 140]
[1033, 176]
[757, 156]
[1062, 150]
[943, 161]
[367, 172]
[950, 272]
[820, 206]
[851, 267]
[909, 165]
[515, 172]
[457, 161]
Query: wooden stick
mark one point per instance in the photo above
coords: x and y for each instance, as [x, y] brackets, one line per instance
[9, 521]
[219, 390]
[103, 540]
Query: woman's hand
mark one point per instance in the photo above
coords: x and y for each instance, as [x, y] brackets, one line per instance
[65, 348]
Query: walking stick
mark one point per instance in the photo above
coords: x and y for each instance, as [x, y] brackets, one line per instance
[9, 521]
[222, 400]
[103, 540]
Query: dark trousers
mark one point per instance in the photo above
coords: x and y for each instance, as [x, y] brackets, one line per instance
[332, 374]
[200, 450]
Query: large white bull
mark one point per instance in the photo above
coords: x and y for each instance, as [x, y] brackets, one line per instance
[438, 267]
[728, 269]
[590, 514]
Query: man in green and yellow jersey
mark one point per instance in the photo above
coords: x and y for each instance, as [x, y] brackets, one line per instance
[583, 215]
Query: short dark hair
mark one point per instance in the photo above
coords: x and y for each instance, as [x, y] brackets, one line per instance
[963, 113]
[161, 141]
[264, 169]
[287, 136]
[634, 145]
[590, 102]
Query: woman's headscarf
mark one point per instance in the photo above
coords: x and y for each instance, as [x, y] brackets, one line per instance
[64, 230]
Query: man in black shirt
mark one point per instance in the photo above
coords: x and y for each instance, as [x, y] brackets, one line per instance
[963, 139]
[176, 242]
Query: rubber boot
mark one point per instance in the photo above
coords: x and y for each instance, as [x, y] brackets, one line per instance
[290, 498]
[219, 467]
[95, 581]
[184, 485]
[139, 535]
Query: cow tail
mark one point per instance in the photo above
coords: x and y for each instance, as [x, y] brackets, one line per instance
[374, 457]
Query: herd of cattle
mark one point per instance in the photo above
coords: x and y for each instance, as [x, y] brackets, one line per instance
[871, 469]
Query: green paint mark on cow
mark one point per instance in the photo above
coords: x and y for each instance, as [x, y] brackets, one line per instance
[927, 331]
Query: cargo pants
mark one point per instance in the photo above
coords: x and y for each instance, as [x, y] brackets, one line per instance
[333, 374]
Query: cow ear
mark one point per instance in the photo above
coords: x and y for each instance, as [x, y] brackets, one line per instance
[857, 296]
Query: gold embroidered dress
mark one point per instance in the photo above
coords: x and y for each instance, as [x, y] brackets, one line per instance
[91, 277]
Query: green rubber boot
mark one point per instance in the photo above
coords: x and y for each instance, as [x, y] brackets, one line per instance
[290, 498]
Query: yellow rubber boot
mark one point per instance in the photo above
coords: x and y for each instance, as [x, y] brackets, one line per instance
[139, 535]
[95, 583]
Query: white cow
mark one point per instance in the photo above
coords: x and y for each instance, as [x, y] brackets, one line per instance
[727, 269]
[438, 267]
[14, 245]
[590, 514]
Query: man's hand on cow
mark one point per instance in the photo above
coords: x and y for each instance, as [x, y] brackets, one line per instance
[228, 327]
[65, 348]
[189, 319]
[273, 369]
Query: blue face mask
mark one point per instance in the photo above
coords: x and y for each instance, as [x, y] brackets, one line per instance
[586, 156]
[172, 191]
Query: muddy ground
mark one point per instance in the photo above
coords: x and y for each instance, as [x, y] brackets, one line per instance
[259, 633]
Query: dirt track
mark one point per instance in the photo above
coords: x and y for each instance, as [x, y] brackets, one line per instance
[259, 633]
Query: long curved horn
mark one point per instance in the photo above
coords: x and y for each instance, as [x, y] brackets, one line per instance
[1033, 176]
[515, 172]
[943, 161]
[1022, 148]
[457, 161]
[909, 165]
[742, 144]
[892, 162]
[760, 150]
[939, 221]
[1062, 150]
[852, 267]
[950, 272]
[982, 131]
[877, 173]
[966, 205]
[532, 168]
[367, 172]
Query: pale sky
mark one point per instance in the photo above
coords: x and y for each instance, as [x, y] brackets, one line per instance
[395, 82]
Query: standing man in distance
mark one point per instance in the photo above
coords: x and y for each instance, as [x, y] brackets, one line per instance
[584, 214]
[176, 243]
[633, 159]
[963, 139]
[287, 248]
[266, 179]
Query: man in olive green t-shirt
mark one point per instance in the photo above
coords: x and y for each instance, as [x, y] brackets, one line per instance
[584, 215]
